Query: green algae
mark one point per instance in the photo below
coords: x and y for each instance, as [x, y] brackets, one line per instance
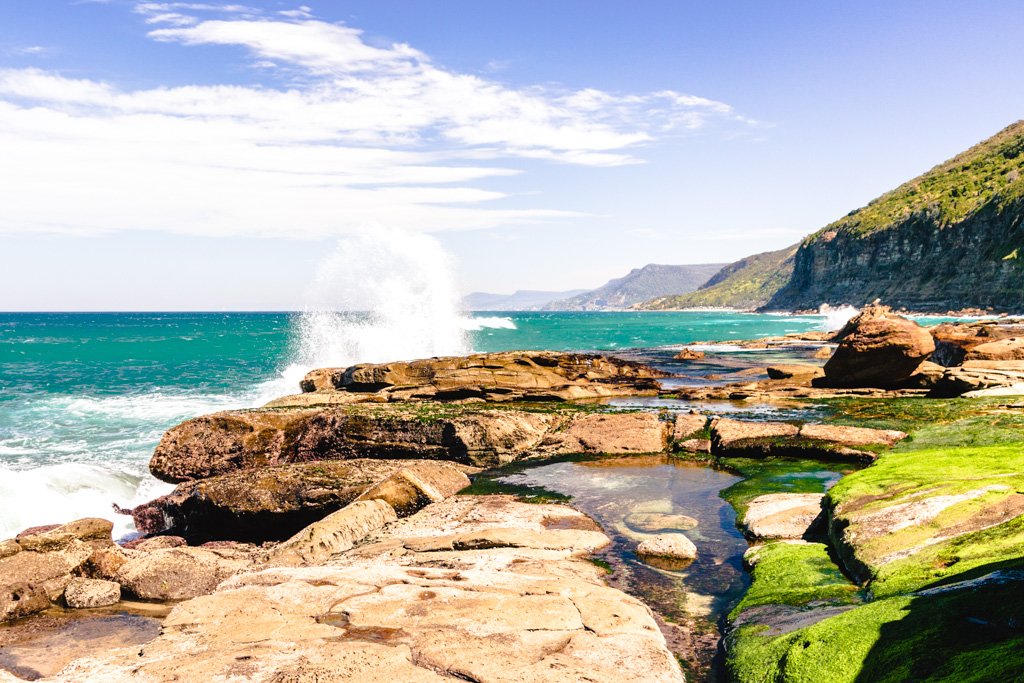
[796, 574]
[969, 635]
[777, 475]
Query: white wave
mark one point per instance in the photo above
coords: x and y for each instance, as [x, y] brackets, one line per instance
[55, 494]
[487, 323]
[835, 317]
[151, 407]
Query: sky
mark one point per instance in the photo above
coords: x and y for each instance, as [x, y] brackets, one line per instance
[208, 156]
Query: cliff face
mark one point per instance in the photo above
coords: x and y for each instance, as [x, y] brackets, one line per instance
[920, 265]
[749, 283]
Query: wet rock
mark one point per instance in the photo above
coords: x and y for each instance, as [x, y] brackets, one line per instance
[180, 573]
[667, 547]
[87, 593]
[688, 426]
[1011, 349]
[503, 376]
[610, 433]
[783, 515]
[877, 349]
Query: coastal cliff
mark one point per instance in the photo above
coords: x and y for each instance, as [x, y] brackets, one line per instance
[949, 239]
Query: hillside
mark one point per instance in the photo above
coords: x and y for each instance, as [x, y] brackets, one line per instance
[640, 284]
[520, 300]
[949, 239]
[749, 283]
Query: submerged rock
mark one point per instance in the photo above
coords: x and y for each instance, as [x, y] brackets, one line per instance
[671, 547]
[877, 349]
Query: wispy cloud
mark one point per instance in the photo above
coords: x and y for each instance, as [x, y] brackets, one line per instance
[343, 133]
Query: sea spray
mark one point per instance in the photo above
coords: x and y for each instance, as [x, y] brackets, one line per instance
[835, 317]
[380, 296]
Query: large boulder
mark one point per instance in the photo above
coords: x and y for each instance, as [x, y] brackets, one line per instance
[502, 376]
[877, 349]
[273, 503]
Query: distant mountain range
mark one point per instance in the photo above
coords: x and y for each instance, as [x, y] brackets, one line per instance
[640, 284]
[520, 300]
[950, 239]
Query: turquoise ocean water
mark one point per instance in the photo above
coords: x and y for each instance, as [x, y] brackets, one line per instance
[84, 398]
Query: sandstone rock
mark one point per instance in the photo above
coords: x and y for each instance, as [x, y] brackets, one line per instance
[824, 353]
[156, 543]
[382, 612]
[953, 341]
[794, 370]
[86, 593]
[1011, 349]
[669, 551]
[8, 548]
[968, 381]
[782, 515]
[417, 485]
[610, 433]
[243, 439]
[694, 446]
[877, 349]
[688, 426]
[333, 534]
[179, 573]
[733, 435]
[503, 376]
[103, 563]
[689, 354]
[852, 436]
[21, 599]
[45, 539]
[273, 503]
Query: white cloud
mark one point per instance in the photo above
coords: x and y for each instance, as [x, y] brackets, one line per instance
[360, 134]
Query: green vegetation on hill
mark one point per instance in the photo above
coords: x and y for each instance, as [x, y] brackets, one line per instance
[748, 283]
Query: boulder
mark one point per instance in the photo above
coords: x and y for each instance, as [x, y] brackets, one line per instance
[783, 515]
[877, 349]
[273, 503]
[502, 376]
[688, 426]
[689, 354]
[1011, 349]
[729, 436]
[180, 573]
[87, 593]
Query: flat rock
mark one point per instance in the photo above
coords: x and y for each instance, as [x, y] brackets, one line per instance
[333, 534]
[610, 433]
[782, 515]
[382, 611]
[688, 426]
[180, 573]
[86, 593]
[1010, 349]
[794, 370]
[727, 434]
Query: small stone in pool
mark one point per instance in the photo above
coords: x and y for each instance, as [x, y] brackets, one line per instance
[654, 522]
[672, 547]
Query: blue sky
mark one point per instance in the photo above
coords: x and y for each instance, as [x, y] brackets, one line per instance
[206, 155]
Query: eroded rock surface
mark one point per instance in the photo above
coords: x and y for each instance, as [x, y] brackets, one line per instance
[536, 611]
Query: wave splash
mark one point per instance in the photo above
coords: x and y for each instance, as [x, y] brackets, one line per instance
[835, 317]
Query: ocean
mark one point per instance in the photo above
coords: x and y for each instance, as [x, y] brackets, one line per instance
[85, 397]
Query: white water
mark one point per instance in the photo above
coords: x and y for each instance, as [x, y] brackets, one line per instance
[835, 317]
